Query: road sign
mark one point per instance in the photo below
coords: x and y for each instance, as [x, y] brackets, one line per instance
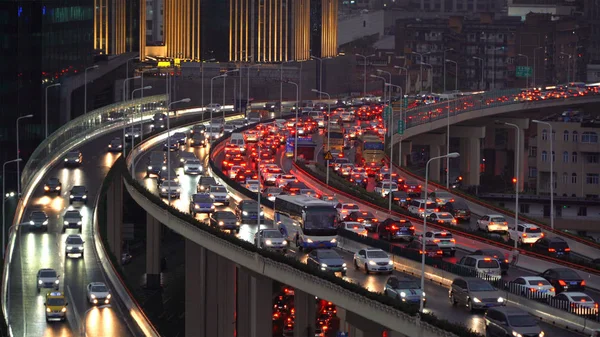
[328, 155]
[387, 111]
[400, 127]
[524, 71]
[405, 102]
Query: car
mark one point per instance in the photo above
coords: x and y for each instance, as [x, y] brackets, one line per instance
[272, 192]
[158, 125]
[400, 198]
[327, 260]
[443, 218]
[576, 303]
[253, 185]
[405, 290]
[459, 209]
[391, 229]
[219, 194]
[198, 129]
[493, 223]
[213, 107]
[525, 233]
[511, 321]
[270, 175]
[271, 239]
[228, 127]
[72, 219]
[248, 211]
[201, 203]
[564, 279]
[331, 199]
[444, 240]
[555, 247]
[74, 246]
[198, 139]
[155, 166]
[180, 137]
[159, 117]
[38, 220]
[193, 166]
[441, 197]
[496, 254]
[482, 266]
[532, 285]
[73, 159]
[47, 278]
[133, 132]
[368, 219]
[284, 179]
[373, 260]
[432, 250]
[384, 188]
[115, 145]
[169, 188]
[412, 186]
[184, 156]
[56, 306]
[233, 171]
[168, 173]
[53, 185]
[98, 293]
[171, 144]
[78, 194]
[475, 294]
[422, 207]
[205, 183]
[225, 220]
[344, 209]
[355, 227]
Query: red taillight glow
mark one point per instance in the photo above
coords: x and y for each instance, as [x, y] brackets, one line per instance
[562, 283]
[551, 250]
[583, 283]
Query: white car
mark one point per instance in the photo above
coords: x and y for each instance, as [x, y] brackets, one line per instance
[493, 223]
[233, 171]
[47, 278]
[270, 175]
[344, 208]
[442, 218]
[270, 239]
[185, 156]
[219, 194]
[253, 185]
[193, 166]
[72, 219]
[373, 260]
[74, 246]
[214, 107]
[578, 303]
[384, 188]
[533, 285]
[285, 179]
[133, 132]
[355, 227]
[525, 233]
[251, 136]
[346, 169]
[444, 240]
[98, 293]
[169, 187]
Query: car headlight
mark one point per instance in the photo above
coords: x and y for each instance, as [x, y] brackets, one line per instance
[93, 296]
[71, 196]
[79, 222]
[40, 282]
[196, 206]
[48, 310]
[149, 167]
[164, 167]
[212, 206]
[284, 242]
[45, 222]
[57, 281]
[186, 167]
[65, 222]
[372, 263]
[542, 334]
[69, 247]
[181, 160]
[243, 213]
[80, 248]
[109, 296]
[221, 223]
[262, 213]
[391, 263]
[500, 300]
[237, 223]
[309, 240]
[84, 197]
[164, 189]
[424, 294]
[268, 242]
[402, 294]
[178, 190]
[212, 196]
[58, 187]
[323, 265]
[46, 188]
[516, 334]
[66, 159]
[344, 265]
[332, 240]
[476, 300]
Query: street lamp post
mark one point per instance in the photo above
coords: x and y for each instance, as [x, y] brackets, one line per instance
[451, 155]
[185, 100]
[481, 60]
[148, 87]
[320, 74]
[127, 67]
[392, 146]
[445, 50]
[297, 108]
[551, 170]
[124, 82]
[85, 86]
[46, 99]
[421, 55]
[19, 156]
[448, 123]
[281, 85]
[124, 118]
[18, 160]
[389, 88]
[527, 65]
[365, 72]
[517, 161]
[534, 65]
[328, 127]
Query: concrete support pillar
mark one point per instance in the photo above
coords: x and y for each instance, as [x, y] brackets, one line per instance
[406, 151]
[153, 238]
[195, 288]
[434, 166]
[306, 314]
[470, 151]
[220, 275]
[523, 160]
[254, 310]
[115, 217]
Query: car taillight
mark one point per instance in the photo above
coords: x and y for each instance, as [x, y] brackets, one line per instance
[439, 252]
[551, 250]
[421, 209]
[562, 283]
[567, 249]
[412, 228]
[453, 240]
[542, 235]
[436, 240]
[583, 283]
[552, 289]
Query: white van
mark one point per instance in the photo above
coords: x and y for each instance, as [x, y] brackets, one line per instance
[486, 267]
[238, 139]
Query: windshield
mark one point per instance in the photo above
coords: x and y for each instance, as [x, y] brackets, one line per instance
[350, 207]
[491, 263]
[559, 244]
[38, 215]
[408, 285]
[272, 234]
[443, 195]
[392, 186]
[480, 286]
[319, 219]
[328, 254]
[207, 181]
[218, 189]
[250, 205]
[460, 205]
[522, 321]
[78, 189]
[226, 215]
[52, 181]
[55, 302]
[99, 289]
[48, 273]
[72, 214]
[373, 146]
[202, 199]
[431, 247]
[215, 129]
[377, 254]
[74, 241]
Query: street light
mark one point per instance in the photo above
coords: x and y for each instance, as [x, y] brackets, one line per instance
[297, 108]
[389, 89]
[384, 82]
[392, 146]
[481, 60]
[185, 100]
[527, 65]
[85, 86]
[534, 64]
[4, 196]
[124, 83]
[448, 121]
[450, 155]
[142, 72]
[46, 98]
[365, 72]
[328, 127]
[421, 55]
[551, 170]
[445, 50]
[517, 161]
[320, 74]
[19, 155]
[430, 83]
[148, 87]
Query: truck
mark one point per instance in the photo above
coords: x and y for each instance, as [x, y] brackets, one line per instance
[336, 139]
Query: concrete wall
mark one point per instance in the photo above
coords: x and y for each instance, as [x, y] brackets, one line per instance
[360, 25]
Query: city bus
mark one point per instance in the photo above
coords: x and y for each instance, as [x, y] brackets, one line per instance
[369, 150]
[336, 141]
[306, 221]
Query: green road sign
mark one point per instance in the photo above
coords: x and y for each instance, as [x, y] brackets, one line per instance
[405, 102]
[400, 127]
[524, 71]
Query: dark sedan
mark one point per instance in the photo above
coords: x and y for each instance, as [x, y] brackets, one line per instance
[564, 279]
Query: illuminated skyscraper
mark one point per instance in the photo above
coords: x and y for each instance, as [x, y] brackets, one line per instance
[116, 26]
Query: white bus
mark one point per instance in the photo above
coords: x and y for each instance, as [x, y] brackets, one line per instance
[307, 221]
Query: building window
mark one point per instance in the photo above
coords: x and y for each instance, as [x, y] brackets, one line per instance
[574, 159]
[566, 136]
[553, 135]
[565, 157]
[565, 178]
[592, 178]
[553, 157]
[574, 178]
[524, 208]
[532, 151]
[544, 134]
[591, 158]
[589, 137]
[532, 172]
[575, 137]
[582, 211]
[544, 156]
